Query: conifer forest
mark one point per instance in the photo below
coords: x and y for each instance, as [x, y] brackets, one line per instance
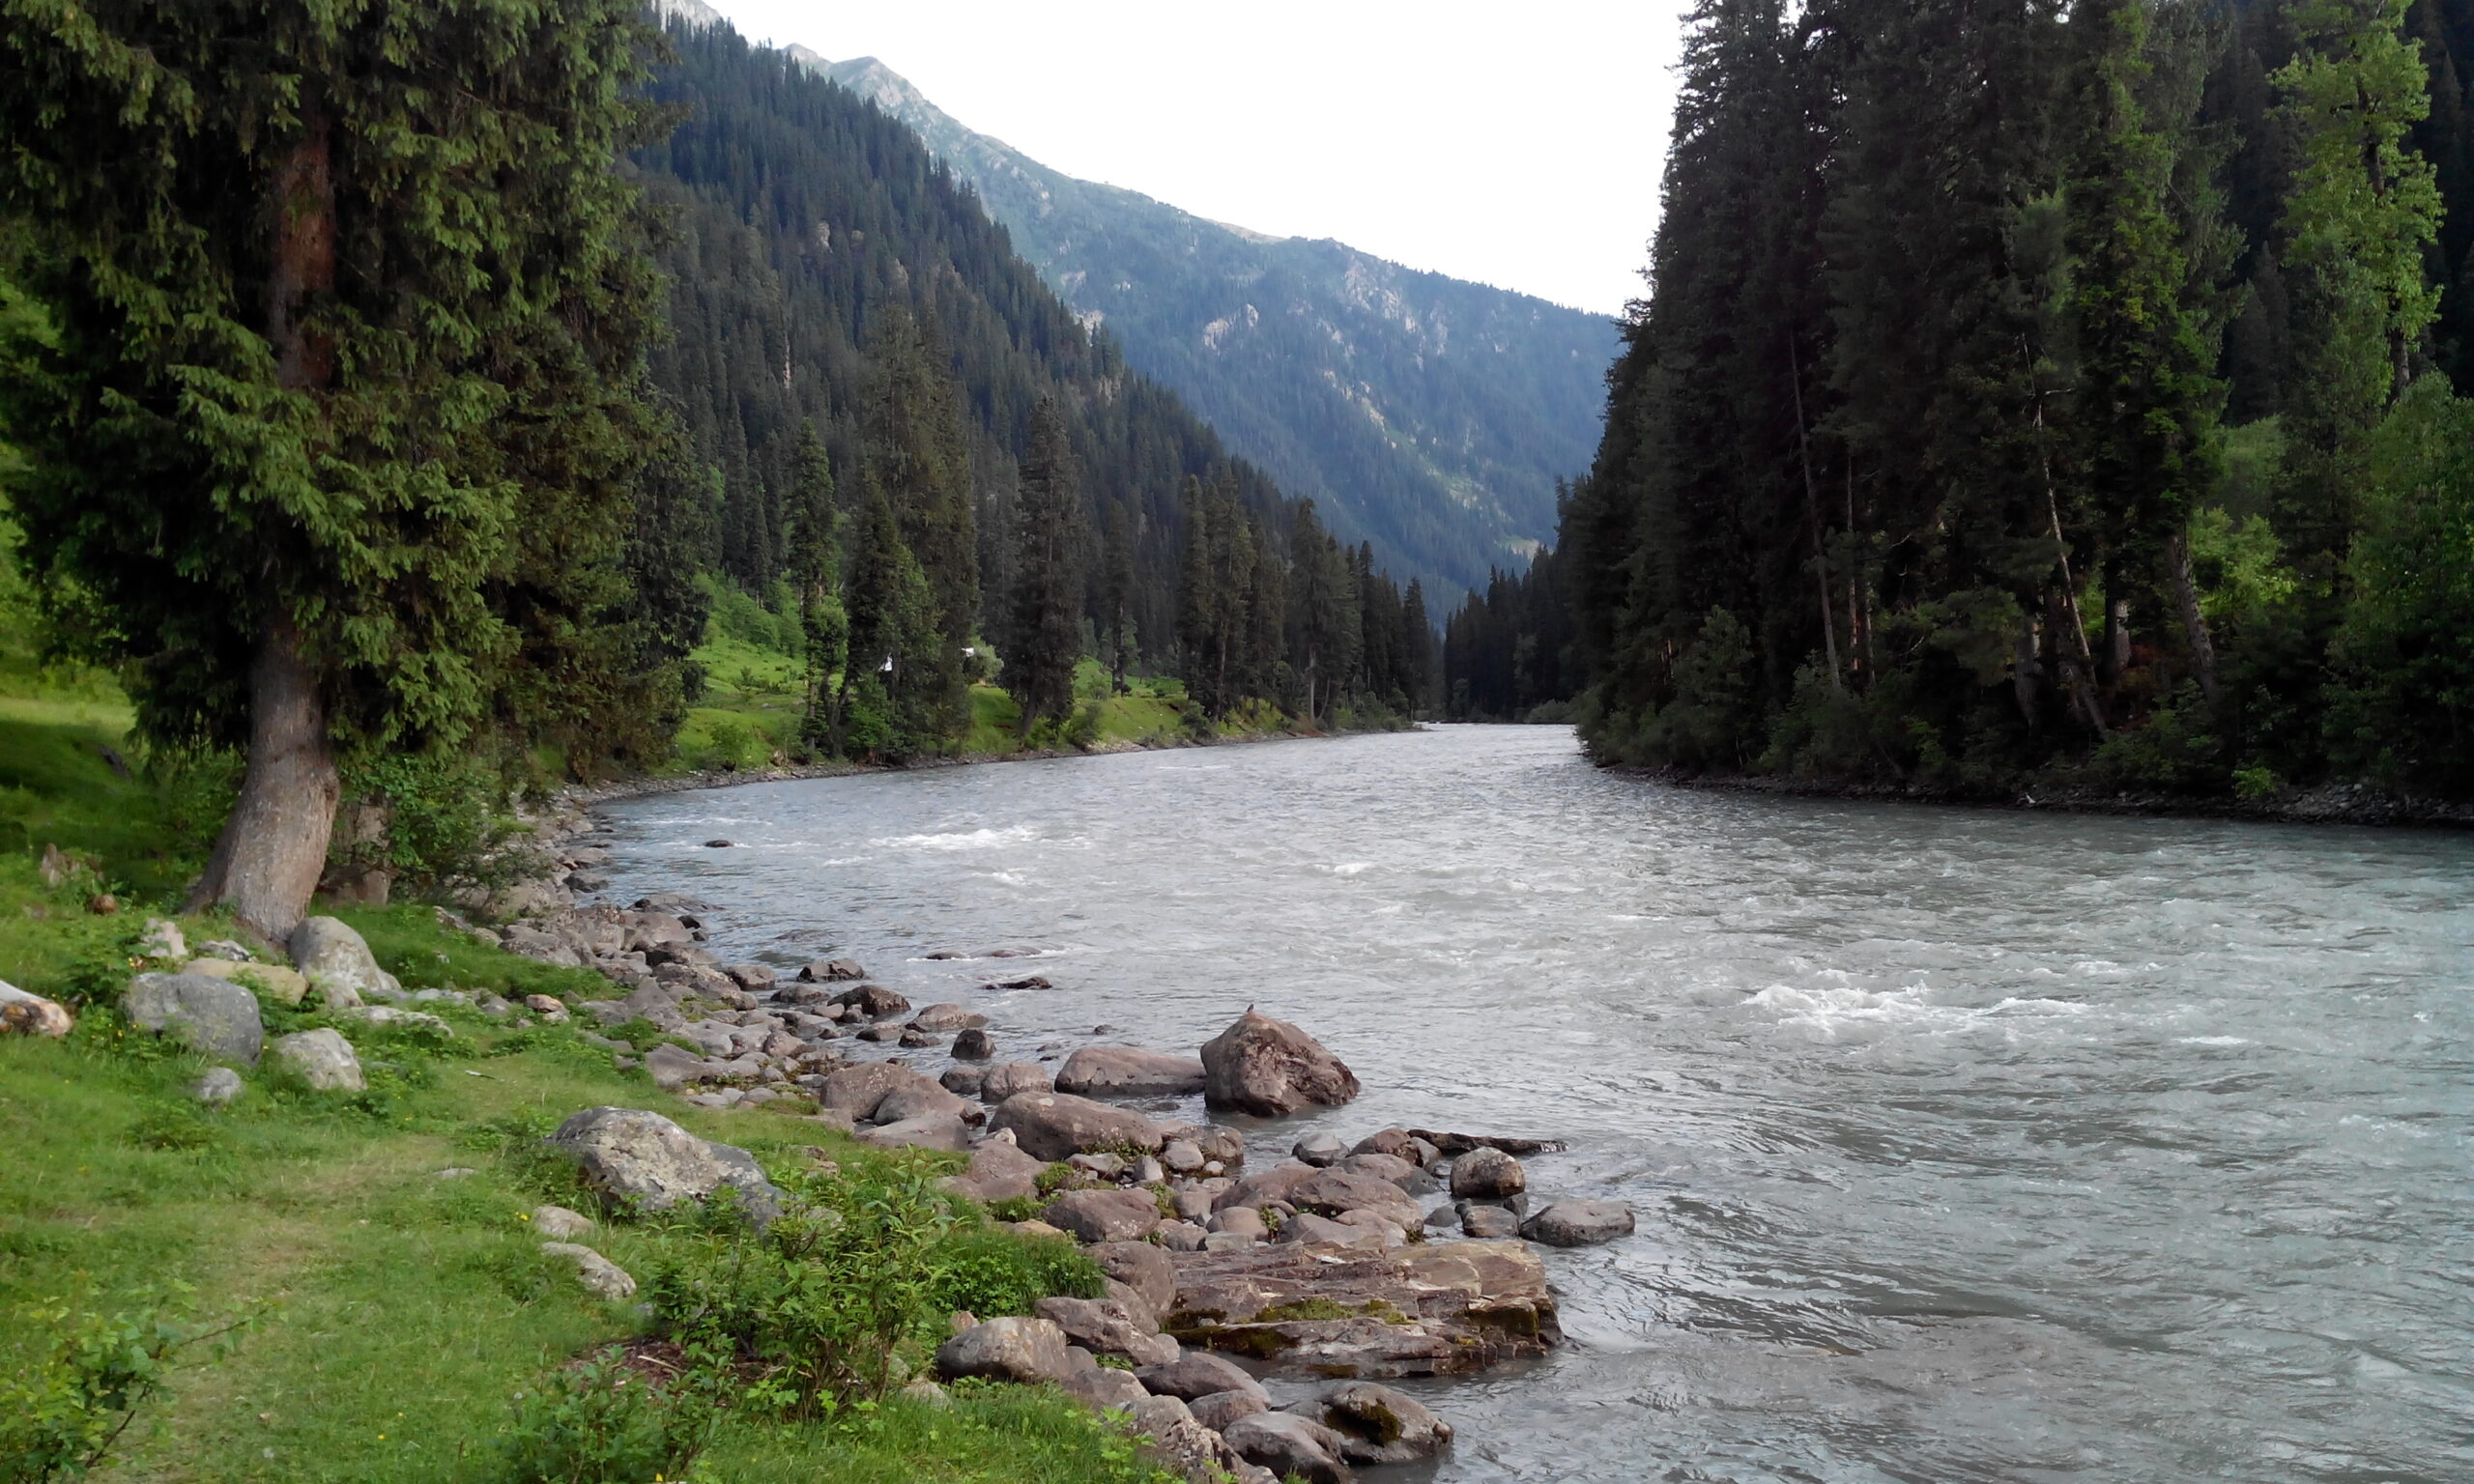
[2028, 394]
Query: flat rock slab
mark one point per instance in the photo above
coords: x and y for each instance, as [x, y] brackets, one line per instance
[1433, 1308]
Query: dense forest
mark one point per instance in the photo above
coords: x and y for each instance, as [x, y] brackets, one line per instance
[2028, 390]
[826, 271]
[389, 396]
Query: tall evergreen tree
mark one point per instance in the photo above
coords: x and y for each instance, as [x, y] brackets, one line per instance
[815, 563]
[1047, 637]
[325, 275]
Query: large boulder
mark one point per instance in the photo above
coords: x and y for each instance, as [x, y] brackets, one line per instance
[337, 960]
[31, 1015]
[1057, 1126]
[321, 1059]
[999, 1171]
[1144, 1269]
[215, 1015]
[1488, 1174]
[920, 1098]
[947, 1018]
[631, 1156]
[858, 1090]
[825, 971]
[928, 1130]
[1021, 1350]
[875, 1001]
[1103, 1215]
[1102, 1388]
[1106, 1326]
[1128, 1071]
[1221, 1408]
[1290, 1446]
[1193, 1452]
[1377, 1424]
[1269, 1068]
[272, 980]
[1579, 1224]
[1337, 1192]
[1264, 1186]
[1008, 1079]
[1195, 1375]
[1435, 1308]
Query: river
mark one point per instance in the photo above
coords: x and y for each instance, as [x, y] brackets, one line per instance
[1966, 1145]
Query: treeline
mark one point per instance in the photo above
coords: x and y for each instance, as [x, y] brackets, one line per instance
[2037, 390]
[829, 278]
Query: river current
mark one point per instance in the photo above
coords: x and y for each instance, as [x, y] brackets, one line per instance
[1966, 1145]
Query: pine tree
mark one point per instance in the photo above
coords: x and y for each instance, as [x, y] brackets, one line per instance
[893, 620]
[1048, 596]
[1116, 598]
[815, 570]
[321, 271]
[918, 448]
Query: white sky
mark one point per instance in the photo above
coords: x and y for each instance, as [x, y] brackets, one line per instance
[1518, 145]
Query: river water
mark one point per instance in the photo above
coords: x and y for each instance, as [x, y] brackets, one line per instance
[1966, 1145]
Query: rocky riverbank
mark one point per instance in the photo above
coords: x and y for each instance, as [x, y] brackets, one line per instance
[1254, 1304]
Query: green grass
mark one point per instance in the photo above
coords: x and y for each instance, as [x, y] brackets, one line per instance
[149, 831]
[397, 1314]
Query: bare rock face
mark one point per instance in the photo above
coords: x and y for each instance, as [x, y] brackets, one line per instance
[31, 1015]
[322, 1060]
[337, 961]
[1128, 1071]
[1057, 1126]
[999, 1171]
[1103, 1215]
[217, 1017]
[629, 1154]
[1104, 1327]
[1270, 1068]
[1579, 1224]
[1290, 1445]
[1028, 1351]
[1436, 1308]
[1376, 1424]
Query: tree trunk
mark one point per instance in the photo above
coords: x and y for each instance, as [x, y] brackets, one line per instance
[1812, 515]
[274, 846]
[267, 863]
[363, 875]
[2186, 592]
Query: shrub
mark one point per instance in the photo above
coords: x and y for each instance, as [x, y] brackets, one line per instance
[599, 1423]
[61, 1416]
[989, 1272]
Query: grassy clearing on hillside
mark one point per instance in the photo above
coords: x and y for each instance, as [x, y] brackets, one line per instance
[395, 1315]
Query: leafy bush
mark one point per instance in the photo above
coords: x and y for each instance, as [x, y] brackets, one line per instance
[444, 820]
[989, 1272]
[61, 1416]
[600, 1423]
[829, 1299]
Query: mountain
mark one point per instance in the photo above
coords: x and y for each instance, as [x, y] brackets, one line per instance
[1429, 416]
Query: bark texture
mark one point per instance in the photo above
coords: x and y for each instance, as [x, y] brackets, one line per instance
[267, 863]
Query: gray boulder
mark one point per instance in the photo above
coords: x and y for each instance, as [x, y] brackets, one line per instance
[1154, 1416]
[1320, 1150]
[961, 1081]
[1397, 1171]
[1104, 1327]
[1142, 1268]
[974, 1045]
[1488, 1223]
[559, 1223]
[1197, 1374]
[828, 970]
[1221, 1408]
[1128, 1071]
[1101, 1388]
[337, 960]
[322, 1060]
[215, 1015]
[1305, 1226]
[631, 1156]
[1579, 1224]
[31, 1015]
[674, 1067]
[1008, 1079]
[1269, 1068]
[875, 1001]
[1337, 1192]
[1488, 1174]
[1056, 1126]
[1103, 1215]
[919, 1098]
[594, 1270]
[1288, 1445]
[1025, 1350]
[858, 1090]
[1377, 1424]
[219, 1086]
[928, 1130]
[947, 1018]
[999, 1171]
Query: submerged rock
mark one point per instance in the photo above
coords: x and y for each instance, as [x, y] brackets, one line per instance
[1377, 1424]
[1128, 1071]
[1579, 1224]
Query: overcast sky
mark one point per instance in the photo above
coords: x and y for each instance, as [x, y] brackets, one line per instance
[1517, 145]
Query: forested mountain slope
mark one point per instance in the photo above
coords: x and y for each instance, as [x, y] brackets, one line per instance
[2036, 395]
[1426, 414]
[826, 269]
